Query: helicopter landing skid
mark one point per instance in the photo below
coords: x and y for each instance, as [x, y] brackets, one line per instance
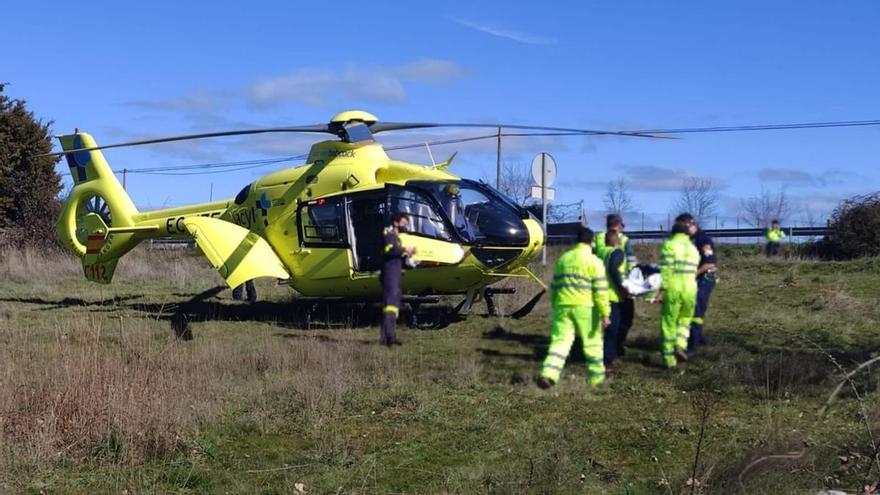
[528, 307]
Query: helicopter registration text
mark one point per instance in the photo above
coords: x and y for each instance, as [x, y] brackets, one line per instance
[174, 225]
[244, 217]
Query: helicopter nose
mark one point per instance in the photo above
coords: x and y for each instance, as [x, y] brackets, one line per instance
[536, 239]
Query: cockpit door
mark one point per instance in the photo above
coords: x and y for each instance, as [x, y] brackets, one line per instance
[324, 250]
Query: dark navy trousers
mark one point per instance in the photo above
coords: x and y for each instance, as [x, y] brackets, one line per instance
[612, 334]
[705, 285]
[392, 272]
[627, 315]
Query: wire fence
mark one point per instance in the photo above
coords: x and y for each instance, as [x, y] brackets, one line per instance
[636, 221]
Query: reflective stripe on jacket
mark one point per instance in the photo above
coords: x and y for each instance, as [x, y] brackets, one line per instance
[579, 280]
[679, 260]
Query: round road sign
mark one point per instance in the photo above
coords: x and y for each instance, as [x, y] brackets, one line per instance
[549, 165]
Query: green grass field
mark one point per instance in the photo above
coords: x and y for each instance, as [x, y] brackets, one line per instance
[98, 396]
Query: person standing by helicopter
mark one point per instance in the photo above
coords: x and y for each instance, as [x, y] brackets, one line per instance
[251, 292]
[393, 255]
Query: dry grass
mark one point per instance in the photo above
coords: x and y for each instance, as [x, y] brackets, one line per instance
[96, 395]
[31, 265]
[177, 268]
[126, 391]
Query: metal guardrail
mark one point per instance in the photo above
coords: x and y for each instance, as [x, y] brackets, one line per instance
[565, 232]
[789, 232]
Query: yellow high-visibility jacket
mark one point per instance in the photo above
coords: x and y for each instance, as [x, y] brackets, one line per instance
[679, 260]
[775, 235]
[579, 280]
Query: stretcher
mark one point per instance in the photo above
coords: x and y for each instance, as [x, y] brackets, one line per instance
[643, 280]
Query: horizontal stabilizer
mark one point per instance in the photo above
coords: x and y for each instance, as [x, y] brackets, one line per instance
[236, 253]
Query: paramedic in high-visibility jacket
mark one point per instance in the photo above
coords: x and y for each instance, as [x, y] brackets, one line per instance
[578, 284]
[393, 254]
[679, 260]
[774, 236]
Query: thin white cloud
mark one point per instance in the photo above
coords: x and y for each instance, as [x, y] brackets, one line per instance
[643, 178]
[507, 33]
[200, 102]
[799, 178]
[432, 71]
[786, 175]
[316, 86]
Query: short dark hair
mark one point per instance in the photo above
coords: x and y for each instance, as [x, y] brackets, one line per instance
[398, 217]
[776, 221]
[682, 222]
[585, 235]
[613, 220]
[684, 218]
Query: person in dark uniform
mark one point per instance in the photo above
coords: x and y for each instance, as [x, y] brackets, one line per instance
[251, 292]
[615, 269]
[393, 254]
[705, 284]
[614, 223]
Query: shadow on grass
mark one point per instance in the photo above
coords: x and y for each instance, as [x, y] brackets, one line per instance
[294, 314]
[68, 302]
[537, 344]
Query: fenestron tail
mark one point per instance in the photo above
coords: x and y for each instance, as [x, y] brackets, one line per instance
[97, 219]
[100, 224]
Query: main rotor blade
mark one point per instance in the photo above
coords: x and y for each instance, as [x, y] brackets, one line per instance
[399, 126]
[189, 137]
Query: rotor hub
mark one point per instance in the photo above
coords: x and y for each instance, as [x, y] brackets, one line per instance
[350, 115]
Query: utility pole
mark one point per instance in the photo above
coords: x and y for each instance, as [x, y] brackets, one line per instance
[498, 163]
[543, 202]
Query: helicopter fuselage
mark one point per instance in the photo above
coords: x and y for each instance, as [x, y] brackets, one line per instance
[324, 222]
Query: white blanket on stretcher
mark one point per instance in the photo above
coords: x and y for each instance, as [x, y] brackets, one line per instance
[637, 284]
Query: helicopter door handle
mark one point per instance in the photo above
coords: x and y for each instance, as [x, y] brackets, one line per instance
[302, 251]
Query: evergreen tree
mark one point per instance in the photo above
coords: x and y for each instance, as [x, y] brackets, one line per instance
[29, 185]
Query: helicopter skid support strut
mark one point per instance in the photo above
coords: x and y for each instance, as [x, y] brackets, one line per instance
[488, 295]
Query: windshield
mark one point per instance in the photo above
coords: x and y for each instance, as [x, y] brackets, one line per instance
[479, 214]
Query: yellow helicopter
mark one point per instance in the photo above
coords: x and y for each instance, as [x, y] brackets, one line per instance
[319, 226]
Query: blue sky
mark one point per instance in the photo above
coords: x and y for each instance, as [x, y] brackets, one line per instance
[123, 70]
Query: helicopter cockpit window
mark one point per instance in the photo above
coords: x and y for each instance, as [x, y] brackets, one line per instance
[322, 222]
[423, 218]
[243, 194]
[478, 213]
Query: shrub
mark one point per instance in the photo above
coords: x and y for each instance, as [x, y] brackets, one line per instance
[29, 184]
[854, 229]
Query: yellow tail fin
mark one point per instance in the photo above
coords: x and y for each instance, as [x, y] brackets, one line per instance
[97, 212]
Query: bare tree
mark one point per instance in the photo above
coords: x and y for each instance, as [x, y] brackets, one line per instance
[760, 210]
[516, 181]
[699, 197]
[617, 197]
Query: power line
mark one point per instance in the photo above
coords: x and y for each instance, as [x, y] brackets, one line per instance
[764, 127]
